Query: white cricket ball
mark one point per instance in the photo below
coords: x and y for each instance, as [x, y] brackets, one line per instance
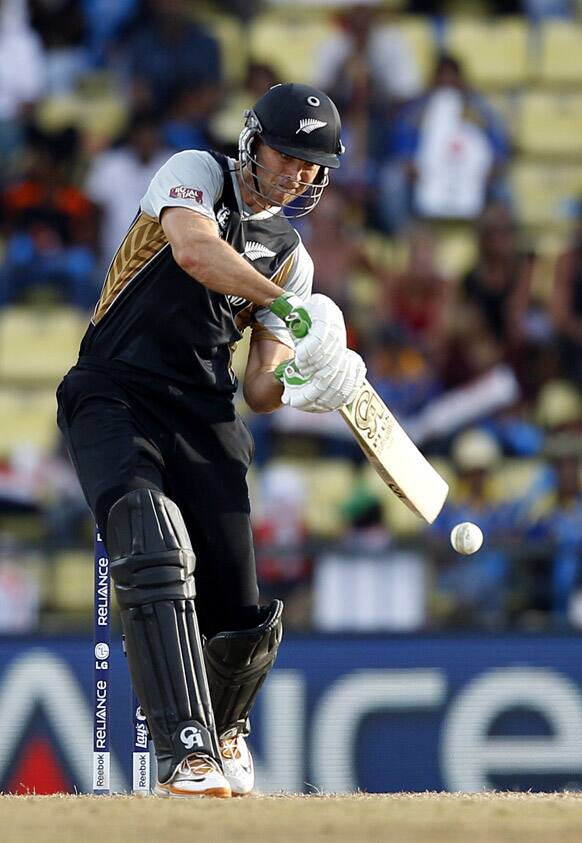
[466, 537]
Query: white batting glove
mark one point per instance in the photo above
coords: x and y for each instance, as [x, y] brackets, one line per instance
[326, 339]
[299, 391]
[317, 327]
[339, 384]
[330, 389]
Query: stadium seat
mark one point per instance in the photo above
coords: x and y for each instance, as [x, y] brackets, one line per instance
[400, 521]
[550, 124]
[545, 193]
[288, 42]
[494, 54]
[38, 346]
[417, 31]
[73, 581]
[456, 250]
[547, 246]
[560, 57]
[329, 483]
[28, 417]
[514, 478]
[231, 36]
[96, 109]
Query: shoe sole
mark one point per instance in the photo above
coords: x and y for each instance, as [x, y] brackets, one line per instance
[174, 793]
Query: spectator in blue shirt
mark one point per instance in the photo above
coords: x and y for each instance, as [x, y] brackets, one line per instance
[168, 49]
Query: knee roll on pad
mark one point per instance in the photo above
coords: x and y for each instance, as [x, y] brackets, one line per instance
[237, 664]
[150, 550]
[152, 567]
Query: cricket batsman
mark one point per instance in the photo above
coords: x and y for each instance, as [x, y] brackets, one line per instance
[149, 421]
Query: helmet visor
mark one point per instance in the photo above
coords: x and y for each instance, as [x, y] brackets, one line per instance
[312, 156]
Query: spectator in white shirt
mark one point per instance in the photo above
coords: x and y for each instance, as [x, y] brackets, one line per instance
[22, 73]
[361, 38]
[368, 68]
[119, 177]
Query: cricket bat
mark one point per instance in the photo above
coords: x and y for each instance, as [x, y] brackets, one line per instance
[394, 455]
[390, 450]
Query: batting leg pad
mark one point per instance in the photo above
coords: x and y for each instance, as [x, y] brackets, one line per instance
[237, 664]
[152, 567]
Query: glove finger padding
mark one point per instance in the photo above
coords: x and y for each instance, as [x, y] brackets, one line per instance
[331, 388]
[339, 386]
[299, 391]
[314, 353]
[326, 336]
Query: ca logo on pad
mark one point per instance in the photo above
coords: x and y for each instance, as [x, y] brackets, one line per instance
[191, 737]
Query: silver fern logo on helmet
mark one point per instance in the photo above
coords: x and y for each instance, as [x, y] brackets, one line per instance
[309, 125]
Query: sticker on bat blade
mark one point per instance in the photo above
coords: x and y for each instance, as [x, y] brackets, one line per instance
[372, 418]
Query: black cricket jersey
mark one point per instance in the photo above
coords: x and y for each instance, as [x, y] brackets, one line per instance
[153, 316]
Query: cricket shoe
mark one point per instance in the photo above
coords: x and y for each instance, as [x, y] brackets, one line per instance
[196, 775]
[237, 763]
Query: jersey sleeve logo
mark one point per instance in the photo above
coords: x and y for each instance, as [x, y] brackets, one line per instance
[309, 125]
[182, 192]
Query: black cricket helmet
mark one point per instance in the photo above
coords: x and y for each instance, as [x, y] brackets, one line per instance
[300, 121]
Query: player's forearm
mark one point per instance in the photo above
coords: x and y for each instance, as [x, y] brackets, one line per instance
[215, 264]
[263, 393]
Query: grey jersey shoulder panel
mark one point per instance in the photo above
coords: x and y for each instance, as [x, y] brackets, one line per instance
[190, 179]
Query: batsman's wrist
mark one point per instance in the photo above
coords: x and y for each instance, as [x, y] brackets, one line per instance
[291, 310]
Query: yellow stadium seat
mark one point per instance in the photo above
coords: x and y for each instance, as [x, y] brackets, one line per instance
[73, 581]
[560, 59]
[96, 109]
[288, 42]
[514, 478]
[418, 34]
[545, 193]
[457, 250]
[494, 54]
[28, 417]
[37, 567]
[38, 346]
[329, 484]
[542, 283]
[398, 518]
[550, 124]
[387, 252]
[231, 37]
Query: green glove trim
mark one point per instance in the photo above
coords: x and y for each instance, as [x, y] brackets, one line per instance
[290, 309]
[288, 373]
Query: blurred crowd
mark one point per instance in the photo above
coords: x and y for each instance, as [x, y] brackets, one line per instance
[468, 315]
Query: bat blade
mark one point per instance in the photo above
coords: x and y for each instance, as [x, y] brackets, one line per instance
[394, 455]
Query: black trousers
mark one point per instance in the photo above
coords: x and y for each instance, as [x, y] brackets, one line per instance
[126, 430]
